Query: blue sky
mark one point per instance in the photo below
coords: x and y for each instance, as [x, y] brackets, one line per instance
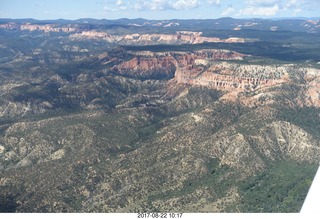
[158, 9]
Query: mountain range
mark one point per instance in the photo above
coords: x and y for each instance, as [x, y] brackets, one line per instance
[158, 116]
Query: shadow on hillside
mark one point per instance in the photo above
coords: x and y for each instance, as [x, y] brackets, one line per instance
[7, 204]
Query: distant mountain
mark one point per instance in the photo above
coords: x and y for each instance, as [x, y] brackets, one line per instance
[286, 24]
[158, 116]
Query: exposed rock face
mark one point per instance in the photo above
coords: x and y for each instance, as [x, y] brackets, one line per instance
[182, 37]
[312, 94]
[157, 68]
[36, 27]
[311, 25]
[229, 77]
[47, 28]
[38, 146]
[278, 139]
[137, 131]
[209, 68]
[12, 109]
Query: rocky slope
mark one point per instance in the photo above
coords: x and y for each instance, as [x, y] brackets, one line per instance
[292, 25]
[40, 27]
[209, 68]
[201, 130]
[181, 37]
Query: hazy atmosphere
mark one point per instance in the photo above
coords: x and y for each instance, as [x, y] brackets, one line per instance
[159, 107]
[157, 9]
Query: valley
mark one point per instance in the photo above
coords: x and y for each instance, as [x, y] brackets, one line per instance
[117, 117]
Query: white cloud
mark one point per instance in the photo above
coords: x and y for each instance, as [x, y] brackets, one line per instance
[295, 6]
[263, 8]
[185, 4]
[228, 11]
[262, 3]
[269, 8]
[282, 4]
[259, 11]
[297, 11]
[119, 3]
[214, 2]
[109, 9]
[290, 3]
[151, 5]
[160, 5]
[248, 8]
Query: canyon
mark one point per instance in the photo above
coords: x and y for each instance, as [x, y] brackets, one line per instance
[213, 69]
[99, 116]
[82, 32]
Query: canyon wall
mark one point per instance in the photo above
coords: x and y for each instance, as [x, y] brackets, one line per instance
[213, 69]
[36, 27]
[181, 37]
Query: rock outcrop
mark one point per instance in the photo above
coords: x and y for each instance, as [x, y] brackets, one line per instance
[181, 37]
[84, 129]
[144, 67]
[38, 27]
[213, 69]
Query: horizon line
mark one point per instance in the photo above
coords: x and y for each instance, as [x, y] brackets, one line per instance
[182, 19]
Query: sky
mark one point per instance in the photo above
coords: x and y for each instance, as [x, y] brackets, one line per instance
[158, 9]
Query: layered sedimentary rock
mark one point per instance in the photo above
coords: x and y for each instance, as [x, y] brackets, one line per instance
[181, 37]
[213, 69]
[38, 27]
[207, 68]
[85, 127]
[224, 76]
[162, 67]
